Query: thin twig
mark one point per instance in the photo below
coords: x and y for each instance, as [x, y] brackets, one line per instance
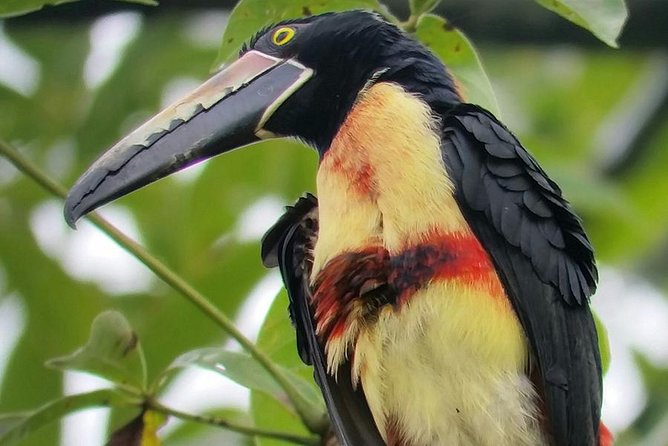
[315, 421]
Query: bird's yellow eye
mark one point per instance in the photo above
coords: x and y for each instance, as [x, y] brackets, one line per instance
[283, 35]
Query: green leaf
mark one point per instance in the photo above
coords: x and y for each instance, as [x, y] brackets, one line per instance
[459, 55]
[15, 427]
[419, 7]
[277, 339]
[239, 367]
[246, 371]
[604, 18]
[112, 352]
[603, 343]
[249, 16]
[307, 389]
[12, 8]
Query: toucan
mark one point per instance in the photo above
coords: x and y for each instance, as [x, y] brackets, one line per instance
[439, 285]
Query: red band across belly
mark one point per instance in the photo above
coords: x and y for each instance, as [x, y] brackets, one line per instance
[458, 257]
[371, 278]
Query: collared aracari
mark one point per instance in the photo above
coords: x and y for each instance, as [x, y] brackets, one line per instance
[439, 286]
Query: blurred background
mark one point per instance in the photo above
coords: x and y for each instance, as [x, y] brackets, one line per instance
[75, 78]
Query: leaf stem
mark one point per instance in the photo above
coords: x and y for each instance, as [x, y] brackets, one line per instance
[410, 25]
[227, 424]
[313, 419]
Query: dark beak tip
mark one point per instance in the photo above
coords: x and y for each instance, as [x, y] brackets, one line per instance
[70, 212]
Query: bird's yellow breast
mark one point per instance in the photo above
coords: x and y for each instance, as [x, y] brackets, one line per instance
[447, 365]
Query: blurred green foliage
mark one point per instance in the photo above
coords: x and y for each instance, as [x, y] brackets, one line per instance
[553, 97]
[11, 8]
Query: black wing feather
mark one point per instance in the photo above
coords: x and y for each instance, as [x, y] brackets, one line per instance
[288, 245]
[543, 258]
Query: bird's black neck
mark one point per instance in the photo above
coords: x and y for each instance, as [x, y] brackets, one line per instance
[421, 73]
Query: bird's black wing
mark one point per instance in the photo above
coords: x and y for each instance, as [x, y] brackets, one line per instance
[543, 258]
[288, 245]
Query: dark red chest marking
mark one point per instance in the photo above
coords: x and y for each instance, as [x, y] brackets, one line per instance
[445, 257]
[356, 170]
[350, 279]
[370, 278]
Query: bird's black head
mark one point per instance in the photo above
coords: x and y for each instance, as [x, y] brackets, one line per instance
[297, 78]
[348, 52]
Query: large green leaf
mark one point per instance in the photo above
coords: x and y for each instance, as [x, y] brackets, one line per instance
[14, 428]
[239, 367]
[277, 339]
[603, 343]
[12, 8]
[457, 52]
[604, 18]
[112, 352]
[249, 16]
[246, 371]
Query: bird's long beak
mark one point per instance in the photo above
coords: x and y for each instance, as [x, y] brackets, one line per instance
[227, 111]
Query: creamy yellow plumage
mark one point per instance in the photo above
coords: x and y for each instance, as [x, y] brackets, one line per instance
[449, 366]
